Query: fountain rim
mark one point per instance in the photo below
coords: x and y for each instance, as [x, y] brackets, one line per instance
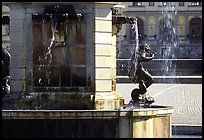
[87, 114]
[154, 107]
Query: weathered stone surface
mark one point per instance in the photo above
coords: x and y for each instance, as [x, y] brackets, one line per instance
[46, 102]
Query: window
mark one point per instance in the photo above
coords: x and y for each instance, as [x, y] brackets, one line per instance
[195, 30]
[5, 30]
[151, 3]
[196, 4]
[137, 4]
[166, 4]
[167, 33]
[181, 26]
[151, 25]
[61, 63]
[181, 3]
[181, 30]
[5, 25]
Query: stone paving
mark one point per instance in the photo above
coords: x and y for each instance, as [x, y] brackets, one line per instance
[185, 98]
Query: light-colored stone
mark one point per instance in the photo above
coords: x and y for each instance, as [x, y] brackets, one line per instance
[103, 38]
[143, 128]
[108, 100]
[162, 126]
[103, 26]
[103, 14]
[152, 122]
[5, 38]
[103, 85]
[102, 61]
[101, 49]
[5, 9]
[103, 73]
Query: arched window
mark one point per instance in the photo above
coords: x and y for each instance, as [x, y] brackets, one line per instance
[5, 25]
[181, 26]
[140, 30]
[137, 4]
[151, 26]
[195, 30]
[167, 33]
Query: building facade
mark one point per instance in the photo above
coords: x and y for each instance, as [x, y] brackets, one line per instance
[185, 18]
[5, 27]
[164, 23]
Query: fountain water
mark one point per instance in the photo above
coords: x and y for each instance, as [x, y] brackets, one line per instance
[168, 39]
[134, 60]
[57, 39]
[48, 55]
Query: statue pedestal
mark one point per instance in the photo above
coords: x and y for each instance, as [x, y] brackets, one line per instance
[110, 101]
[153, 122]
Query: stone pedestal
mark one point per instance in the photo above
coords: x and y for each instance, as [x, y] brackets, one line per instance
[154, 122]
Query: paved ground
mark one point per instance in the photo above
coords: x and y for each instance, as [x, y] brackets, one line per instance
[186, 136]
[185, 98]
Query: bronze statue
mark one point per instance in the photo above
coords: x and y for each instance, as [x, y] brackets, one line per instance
[139, 75]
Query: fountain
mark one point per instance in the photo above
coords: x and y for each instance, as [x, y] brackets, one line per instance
[57, 70]
[65, 93]
[168, 40]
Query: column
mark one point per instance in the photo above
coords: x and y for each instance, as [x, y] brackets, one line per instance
[106, 96]
[17, 38]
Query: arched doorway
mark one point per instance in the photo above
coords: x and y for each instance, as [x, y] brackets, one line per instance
[195, 30]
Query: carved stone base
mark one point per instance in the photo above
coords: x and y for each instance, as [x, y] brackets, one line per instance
[108, 101]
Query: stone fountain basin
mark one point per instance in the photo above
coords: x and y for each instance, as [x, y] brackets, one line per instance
[153, 122]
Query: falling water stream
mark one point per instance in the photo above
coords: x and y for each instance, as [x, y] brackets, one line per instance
[47, 58]
[169, 42]
[134, 59]
[48, 54]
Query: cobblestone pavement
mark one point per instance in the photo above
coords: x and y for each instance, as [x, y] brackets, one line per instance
[185, 98]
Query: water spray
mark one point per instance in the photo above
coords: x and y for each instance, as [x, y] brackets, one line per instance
[134, 59]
